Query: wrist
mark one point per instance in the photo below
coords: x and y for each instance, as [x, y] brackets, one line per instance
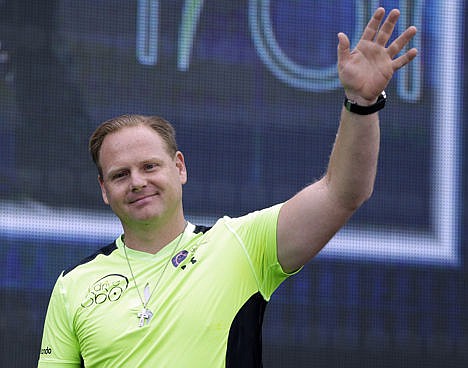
[362, 106]
[358, 100]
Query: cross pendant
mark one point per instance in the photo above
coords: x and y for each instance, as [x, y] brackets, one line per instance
[145, 316]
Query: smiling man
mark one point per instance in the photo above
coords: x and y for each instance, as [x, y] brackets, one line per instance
[167, 293]
[141, 178]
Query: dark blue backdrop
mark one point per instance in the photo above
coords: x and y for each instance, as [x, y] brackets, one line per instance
[251, 88]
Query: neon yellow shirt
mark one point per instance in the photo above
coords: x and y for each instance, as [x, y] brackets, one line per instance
[207, 308]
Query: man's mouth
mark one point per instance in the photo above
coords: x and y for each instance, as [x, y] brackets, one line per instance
[141, 198]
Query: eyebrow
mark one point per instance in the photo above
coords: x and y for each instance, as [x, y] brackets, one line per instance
[117, 169]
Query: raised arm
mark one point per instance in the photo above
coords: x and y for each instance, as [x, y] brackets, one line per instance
[311, 218]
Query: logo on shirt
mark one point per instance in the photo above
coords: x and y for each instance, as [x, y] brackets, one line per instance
[189, 257]
[46, 351]
[179, 258]
[107, 289]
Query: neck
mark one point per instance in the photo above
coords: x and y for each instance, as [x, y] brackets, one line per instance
[152, 238]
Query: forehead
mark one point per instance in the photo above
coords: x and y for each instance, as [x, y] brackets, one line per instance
[140, 133]
[131, 143]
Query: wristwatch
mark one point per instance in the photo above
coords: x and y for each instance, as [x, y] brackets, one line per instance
[366, 110]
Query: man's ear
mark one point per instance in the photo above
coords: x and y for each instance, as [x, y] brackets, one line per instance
[103, 190]
[180, 163]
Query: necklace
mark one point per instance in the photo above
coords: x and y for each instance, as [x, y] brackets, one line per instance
[145, 315]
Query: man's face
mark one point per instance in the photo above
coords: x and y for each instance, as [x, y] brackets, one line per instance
[140, 180]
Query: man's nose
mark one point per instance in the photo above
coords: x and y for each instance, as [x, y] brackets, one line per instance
[138, 182]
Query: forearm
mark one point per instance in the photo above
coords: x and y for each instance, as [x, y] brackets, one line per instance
[353, 163]
[364, 73]
[309, 219]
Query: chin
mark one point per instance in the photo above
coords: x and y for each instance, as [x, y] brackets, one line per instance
[141, 216]
[146, 218]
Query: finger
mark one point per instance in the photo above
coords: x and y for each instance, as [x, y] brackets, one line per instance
[385, 32]
[399, 43]
[343, 47]
[404, 59]
[373, 26]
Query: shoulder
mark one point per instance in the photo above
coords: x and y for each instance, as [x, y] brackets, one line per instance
[257, 220]
[104, 251]
[103, 267]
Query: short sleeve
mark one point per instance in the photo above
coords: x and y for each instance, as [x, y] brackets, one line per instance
[257, 234]
[59, 346]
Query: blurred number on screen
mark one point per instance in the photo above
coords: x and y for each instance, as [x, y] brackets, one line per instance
[269, 51]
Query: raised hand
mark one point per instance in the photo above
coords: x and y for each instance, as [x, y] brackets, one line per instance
[366, 71]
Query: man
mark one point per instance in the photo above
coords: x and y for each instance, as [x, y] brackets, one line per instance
[168, 293]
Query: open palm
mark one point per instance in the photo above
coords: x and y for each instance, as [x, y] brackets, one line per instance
[365, 71]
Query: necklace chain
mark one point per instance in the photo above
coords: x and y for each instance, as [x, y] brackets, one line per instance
[146, 313]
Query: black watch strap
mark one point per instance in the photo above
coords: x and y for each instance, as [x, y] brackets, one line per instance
[366, 110]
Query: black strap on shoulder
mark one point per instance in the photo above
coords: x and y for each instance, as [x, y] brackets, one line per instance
[201, 229]
[107, 250]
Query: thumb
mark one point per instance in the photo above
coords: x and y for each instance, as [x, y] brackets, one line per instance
[343, 47]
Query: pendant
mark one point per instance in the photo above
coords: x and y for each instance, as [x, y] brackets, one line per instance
[145, 314]
[145, 317]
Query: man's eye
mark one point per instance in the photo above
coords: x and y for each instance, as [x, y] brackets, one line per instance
[150, 166]
[119, 175]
